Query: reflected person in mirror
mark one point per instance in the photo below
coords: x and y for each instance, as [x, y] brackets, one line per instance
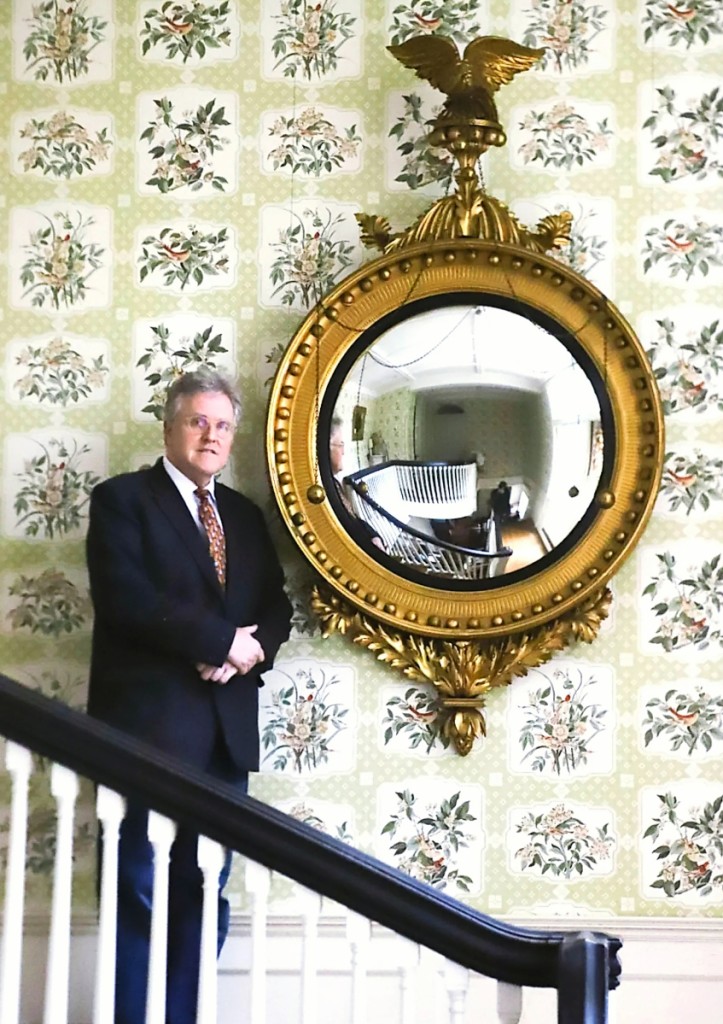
[358, 528]
[500, 500]
[189, 611]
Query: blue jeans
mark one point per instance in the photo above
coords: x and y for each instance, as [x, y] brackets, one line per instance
[185, 901]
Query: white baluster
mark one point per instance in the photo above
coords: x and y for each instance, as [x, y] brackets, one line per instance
[210, 861]
[258, 880]
[161, 833]
[408, 964]
[430, 978]
[110, 808]
[509, 1003]
[64, 787]
[358, 935]
[310, 906]
[456, 982]
[19, 764]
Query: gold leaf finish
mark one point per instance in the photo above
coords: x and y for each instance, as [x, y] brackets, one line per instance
[467, 126]
[468, 80]
[462, 671]
[484, 217]
[466, 643]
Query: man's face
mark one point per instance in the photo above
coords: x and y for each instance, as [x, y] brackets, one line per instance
[198, 439]
[336, 452]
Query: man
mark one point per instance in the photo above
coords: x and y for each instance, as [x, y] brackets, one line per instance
[359, 529]
[500, 500]
[189, 610]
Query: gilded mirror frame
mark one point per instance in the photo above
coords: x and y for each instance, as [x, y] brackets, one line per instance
[437, 269]
[465, 643]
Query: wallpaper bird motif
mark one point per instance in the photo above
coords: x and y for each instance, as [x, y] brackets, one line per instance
[180, 187]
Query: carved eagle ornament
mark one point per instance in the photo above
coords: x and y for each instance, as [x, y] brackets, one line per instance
[470, 79]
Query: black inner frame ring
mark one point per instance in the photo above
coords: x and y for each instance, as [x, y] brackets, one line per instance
[468, 298]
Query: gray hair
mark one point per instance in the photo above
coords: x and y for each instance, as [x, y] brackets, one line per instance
[204, 379]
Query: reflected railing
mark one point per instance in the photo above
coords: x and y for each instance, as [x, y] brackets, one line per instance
[423, 551]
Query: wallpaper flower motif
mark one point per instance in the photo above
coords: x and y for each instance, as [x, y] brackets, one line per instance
[54, 490]
[687, 603]
[421, 164]
[50, 604]
[167, 358]
[60, 146]
[561, 723]
[416, 717]
[562, 137]
[586, 250]
[309, 257]
[42, 823]
[689, 136]
[303, 722]
[306, 814]
[682, 22]
[425, 841]
[685, 720]
[183, 146]
[272, 359]
[309, 37]
[61, 38]
[186, 27]
[60, 261]
[567, 28]
[691, 847]
[68, 687]
[688, 364]
[691, 481]
[457, 19]
[682, 248]
[184, 257]
[561, 844]
[309, 143]
[58, 374]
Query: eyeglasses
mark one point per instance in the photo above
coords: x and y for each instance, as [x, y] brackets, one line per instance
[202, 424]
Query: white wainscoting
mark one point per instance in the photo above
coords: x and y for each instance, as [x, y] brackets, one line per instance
[672, 973]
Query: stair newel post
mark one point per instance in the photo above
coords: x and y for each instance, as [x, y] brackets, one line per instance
[582, 982]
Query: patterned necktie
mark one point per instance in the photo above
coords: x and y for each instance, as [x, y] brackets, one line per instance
[214, 533]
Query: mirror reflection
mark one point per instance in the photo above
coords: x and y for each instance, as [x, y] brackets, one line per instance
[466, 443]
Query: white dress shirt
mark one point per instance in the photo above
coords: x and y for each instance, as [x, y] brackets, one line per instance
[187, 489]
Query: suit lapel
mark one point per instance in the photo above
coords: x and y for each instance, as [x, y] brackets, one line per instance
[174, 508]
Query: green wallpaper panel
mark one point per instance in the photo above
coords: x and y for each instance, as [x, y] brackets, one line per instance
[274, 122]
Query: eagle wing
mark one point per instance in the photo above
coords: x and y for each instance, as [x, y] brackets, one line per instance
[495, 61]
[435, 58]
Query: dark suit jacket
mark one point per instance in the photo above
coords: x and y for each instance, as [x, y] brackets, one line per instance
[159, 609]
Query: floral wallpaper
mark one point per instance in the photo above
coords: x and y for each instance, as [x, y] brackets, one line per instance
[180, 182]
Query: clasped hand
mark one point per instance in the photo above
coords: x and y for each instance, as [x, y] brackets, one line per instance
[244, 653]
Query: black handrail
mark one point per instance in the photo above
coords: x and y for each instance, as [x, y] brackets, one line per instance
[581, 966]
